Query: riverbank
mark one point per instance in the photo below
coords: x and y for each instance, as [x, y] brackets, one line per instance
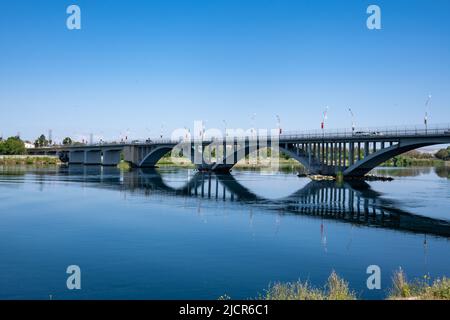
[337, 288]
[284, 165]
[29, 160]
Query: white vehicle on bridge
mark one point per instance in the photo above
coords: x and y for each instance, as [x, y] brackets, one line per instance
[368, 134]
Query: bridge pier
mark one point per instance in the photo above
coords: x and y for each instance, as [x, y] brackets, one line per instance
[76, 157]
[111, 157]
[93, 157]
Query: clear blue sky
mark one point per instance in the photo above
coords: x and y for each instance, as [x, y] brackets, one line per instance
[137, 64]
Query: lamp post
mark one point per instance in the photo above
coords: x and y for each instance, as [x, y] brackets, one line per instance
[253, 123]
[225, 127]
[427, 107]
[325, 117]
[280, 131]
[353, 120]
[161, 134]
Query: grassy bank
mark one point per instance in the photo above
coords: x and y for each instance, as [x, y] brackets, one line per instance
[175, 162]
[28, 160]
[337, 288]
[414, 159]
[283, 164]
[419, 289]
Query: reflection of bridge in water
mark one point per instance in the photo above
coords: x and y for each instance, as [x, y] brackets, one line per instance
[351, 202]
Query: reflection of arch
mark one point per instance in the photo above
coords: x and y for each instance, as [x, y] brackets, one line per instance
[353, 202]
[243, 193]
[150, 177]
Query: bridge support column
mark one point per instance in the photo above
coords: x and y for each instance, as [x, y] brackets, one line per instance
[366, 149]
[111, 157]
[345, 154]
[76, 157]
[323, 158]
[93, 157]
[359, 151]
[309, 154]
[332, 154]
[352, 153]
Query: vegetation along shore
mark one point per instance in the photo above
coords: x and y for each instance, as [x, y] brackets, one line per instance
[337, 288]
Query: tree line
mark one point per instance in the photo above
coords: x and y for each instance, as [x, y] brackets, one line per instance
[16, 146]
[12, 146]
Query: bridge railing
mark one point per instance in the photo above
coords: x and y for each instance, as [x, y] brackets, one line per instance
[392, 131]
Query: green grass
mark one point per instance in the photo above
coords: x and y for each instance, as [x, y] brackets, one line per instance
[123, 165]
[180, 163]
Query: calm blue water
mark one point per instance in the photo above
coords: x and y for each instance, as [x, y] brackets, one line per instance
[177, 234]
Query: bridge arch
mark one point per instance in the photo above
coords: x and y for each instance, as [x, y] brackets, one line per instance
[362, 167]
[151, 158]
[237, 155]
[154, 156]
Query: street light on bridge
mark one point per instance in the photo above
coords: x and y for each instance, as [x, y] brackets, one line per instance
[253, 123]
[325, 117]
[353, 120]
[427, 107]
[280, 131]
[225, 127]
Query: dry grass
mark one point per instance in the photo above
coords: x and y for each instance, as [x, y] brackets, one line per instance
[335, 289]
[419, 289]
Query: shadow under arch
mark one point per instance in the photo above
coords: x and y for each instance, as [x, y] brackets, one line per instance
[151, 159]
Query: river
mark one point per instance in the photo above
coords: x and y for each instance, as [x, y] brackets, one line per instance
[178, 234]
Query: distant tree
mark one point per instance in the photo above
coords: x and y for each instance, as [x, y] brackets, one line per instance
[418, 155]
[41, 142]
[443, 154]
[12, 146]
[67, 141]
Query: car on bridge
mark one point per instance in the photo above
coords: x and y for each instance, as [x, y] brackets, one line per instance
[368, 134]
